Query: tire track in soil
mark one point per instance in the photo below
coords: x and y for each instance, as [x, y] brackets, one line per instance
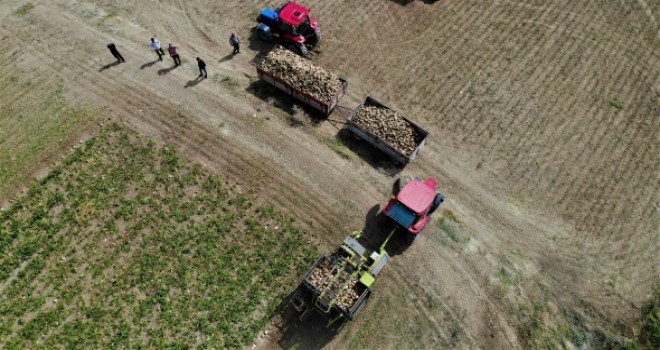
[480, 129]
[237, 165]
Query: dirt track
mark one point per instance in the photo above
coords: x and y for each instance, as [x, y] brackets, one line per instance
[552, 182]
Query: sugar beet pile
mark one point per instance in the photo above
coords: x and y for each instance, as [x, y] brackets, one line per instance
[302, 74]
[321, 278]
[389, 126]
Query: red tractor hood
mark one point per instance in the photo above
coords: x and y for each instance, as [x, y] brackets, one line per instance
[293, 14]
[417, 196]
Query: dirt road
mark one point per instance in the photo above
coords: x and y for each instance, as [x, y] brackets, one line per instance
[544, 138]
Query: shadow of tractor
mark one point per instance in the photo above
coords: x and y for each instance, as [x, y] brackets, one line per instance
[378, 227]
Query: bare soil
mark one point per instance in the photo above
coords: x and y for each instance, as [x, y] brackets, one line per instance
[543, 118]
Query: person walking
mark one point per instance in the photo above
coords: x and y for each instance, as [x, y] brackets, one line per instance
[202, 68]
[175, 56]
[155, 45]
[114, 52]
[234, 41]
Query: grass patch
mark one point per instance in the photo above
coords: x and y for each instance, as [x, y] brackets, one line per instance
[506, 277]
[337, 146]
[23, 10]
[33, 129]
[126, 245]
[226, 81]
[448, 223]
[649, 337]
[617, 103]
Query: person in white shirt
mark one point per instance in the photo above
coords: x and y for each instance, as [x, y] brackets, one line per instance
[155, 45]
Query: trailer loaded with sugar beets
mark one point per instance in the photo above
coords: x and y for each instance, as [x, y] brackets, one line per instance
[387, 130]
[303, 80]
[339, 285]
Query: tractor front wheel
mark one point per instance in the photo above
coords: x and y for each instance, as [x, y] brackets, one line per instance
[264, 32]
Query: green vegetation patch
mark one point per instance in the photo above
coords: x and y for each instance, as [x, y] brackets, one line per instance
[649, 336]
[24, 9]
[32, 129]
[337, 146]
[126, 245]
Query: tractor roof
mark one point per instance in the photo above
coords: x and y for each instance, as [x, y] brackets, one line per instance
[417, 196]
[293, 14]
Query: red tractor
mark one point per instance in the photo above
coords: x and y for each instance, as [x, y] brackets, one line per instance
[412, 206]
[298, 31]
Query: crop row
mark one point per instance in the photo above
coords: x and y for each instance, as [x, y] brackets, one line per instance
[125, 244]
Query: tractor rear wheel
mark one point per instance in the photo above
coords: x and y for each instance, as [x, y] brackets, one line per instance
[297, 48]
[313, 39]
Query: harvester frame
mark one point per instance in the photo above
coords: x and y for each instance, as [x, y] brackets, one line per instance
[349, 264]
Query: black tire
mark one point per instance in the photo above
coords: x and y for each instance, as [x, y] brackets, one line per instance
[263, 35]
[312, 40]
[297, 48]
[437, 201]
[396, 187]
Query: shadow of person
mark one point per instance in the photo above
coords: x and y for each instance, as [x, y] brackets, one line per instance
[227, 58]
[148, 64]
[167, 70]
[192, 83]
[370, 154]
[109, 65]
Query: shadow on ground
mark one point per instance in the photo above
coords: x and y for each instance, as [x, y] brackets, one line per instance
[194, 82]
[377, 228]
[227, 58]
[370, 154]
[308, 332]
[167, 70]
[262, 47]
[109, 65]
[285, 103]
[149, 64]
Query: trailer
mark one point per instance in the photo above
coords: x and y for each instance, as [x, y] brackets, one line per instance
[397, 155]
[339, 285]
[324, 107]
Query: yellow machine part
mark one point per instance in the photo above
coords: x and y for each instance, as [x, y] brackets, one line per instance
[367, 279]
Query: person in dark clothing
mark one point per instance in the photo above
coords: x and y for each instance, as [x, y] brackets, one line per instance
[114, 52]
[175, 56]
[234, 41]
[202, 68]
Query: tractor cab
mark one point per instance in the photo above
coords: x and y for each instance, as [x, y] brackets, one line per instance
[413, 205]
[293, 25]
